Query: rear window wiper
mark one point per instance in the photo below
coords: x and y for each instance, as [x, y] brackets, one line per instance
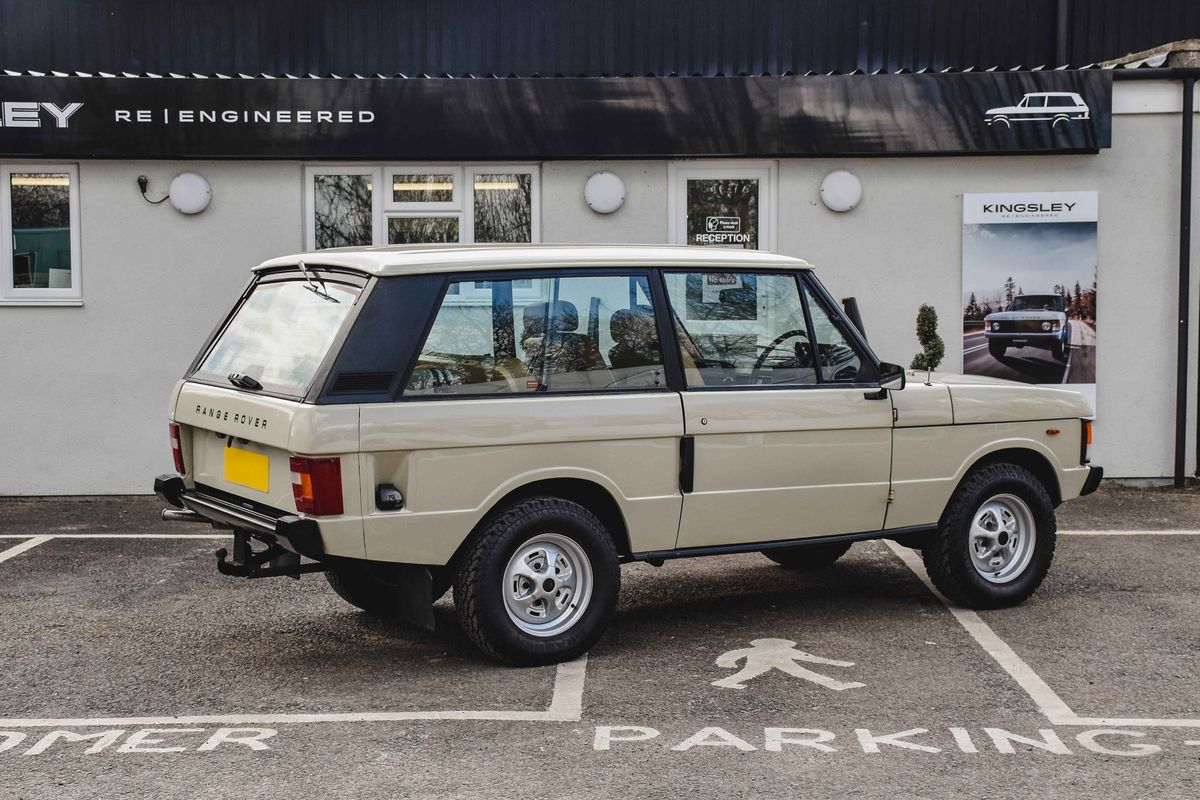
[244, 381]
[312, 287]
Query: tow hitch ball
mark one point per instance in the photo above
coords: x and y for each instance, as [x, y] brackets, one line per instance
[271, 562]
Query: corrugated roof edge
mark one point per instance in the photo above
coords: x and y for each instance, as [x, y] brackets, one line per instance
[422, 259]
[1108, 66]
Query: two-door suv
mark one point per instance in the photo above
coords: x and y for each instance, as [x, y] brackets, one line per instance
[517, 421]
[1030, 320]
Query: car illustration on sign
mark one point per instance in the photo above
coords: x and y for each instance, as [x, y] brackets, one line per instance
[1031, 320]
[1053, 107]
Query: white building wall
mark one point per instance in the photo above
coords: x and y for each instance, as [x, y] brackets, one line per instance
[83, 391]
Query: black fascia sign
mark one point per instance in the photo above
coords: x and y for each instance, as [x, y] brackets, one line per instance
[555, 118]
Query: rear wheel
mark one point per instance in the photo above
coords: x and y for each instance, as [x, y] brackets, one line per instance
[372, 586]
[538, 583]
[808, 558]
[995, 540]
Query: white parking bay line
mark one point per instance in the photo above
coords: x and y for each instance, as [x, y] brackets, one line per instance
[29, 544]
[1046, 699]
[221, 535]
[1048, 702]
[565, 706]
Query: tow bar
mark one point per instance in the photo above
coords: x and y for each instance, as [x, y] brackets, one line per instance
[269, 563]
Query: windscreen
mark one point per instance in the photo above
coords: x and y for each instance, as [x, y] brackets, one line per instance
[281, 334]
[1037, 302]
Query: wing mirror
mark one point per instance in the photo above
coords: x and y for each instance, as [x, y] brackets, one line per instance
[891, 376]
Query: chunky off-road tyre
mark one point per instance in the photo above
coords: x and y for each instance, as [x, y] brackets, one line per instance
[995, 540]
[808, 558]
[538, 582]
[371, 586]
[1060, 351]
[997, 349]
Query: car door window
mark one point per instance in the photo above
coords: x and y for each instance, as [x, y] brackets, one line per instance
[837, 359]
[741, 329]
[544, 334]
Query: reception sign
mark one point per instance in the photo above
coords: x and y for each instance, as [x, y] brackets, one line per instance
[1029, 287]
[554, 118]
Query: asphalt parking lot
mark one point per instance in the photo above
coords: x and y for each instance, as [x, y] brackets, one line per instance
[132, 669]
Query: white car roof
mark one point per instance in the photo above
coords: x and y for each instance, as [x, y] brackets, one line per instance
[418, 259]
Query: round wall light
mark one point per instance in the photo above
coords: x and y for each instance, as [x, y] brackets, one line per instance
[189, 193]
[841, 190]
[604, 192]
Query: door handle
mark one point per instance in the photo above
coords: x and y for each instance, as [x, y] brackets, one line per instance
[687, 464]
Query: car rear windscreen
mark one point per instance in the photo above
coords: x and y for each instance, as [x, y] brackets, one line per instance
[281, 334]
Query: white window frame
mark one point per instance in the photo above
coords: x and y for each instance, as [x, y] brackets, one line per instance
[378, 229]
[11, 295]
[466, 231]
[384, 208]
[767, 174]
[411, 208]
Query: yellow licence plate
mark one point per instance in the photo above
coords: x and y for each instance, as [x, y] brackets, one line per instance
[244, 468]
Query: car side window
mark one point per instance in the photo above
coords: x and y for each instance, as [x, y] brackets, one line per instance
[741, 329]
[544, 334]
[837, 359]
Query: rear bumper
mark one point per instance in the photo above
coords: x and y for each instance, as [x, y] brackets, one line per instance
[1095, 475]
[294, 533]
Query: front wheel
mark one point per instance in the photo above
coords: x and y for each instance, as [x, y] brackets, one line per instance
[997, 348]
[995, 540]
[538, 583]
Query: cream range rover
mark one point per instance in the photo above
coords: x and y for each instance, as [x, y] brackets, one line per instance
[518, 421]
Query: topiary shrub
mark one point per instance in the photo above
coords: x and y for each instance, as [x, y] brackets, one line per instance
[933, 349]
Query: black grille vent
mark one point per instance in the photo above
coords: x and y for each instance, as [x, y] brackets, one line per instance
[362, 382]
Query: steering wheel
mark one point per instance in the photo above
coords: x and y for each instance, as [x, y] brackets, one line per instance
[778, 340]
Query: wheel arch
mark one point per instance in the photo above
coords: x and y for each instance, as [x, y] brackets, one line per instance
[1023, 456]
[590, 494]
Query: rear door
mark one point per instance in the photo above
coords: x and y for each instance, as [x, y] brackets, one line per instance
[783, 438]
[239, 431]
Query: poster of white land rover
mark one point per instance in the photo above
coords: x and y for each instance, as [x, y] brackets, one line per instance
[1029, 287]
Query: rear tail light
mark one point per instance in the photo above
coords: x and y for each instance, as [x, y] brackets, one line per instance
[317, 485]
[1085, 441]
[176, 449]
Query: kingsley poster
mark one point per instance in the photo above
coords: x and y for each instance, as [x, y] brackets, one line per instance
[1029, 287]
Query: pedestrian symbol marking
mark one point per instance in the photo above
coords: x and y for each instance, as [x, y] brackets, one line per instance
[764, 655]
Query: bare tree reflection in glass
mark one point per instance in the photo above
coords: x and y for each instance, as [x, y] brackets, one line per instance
[725, 199]
[422, 230]
[503, 208]
[342, 210]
